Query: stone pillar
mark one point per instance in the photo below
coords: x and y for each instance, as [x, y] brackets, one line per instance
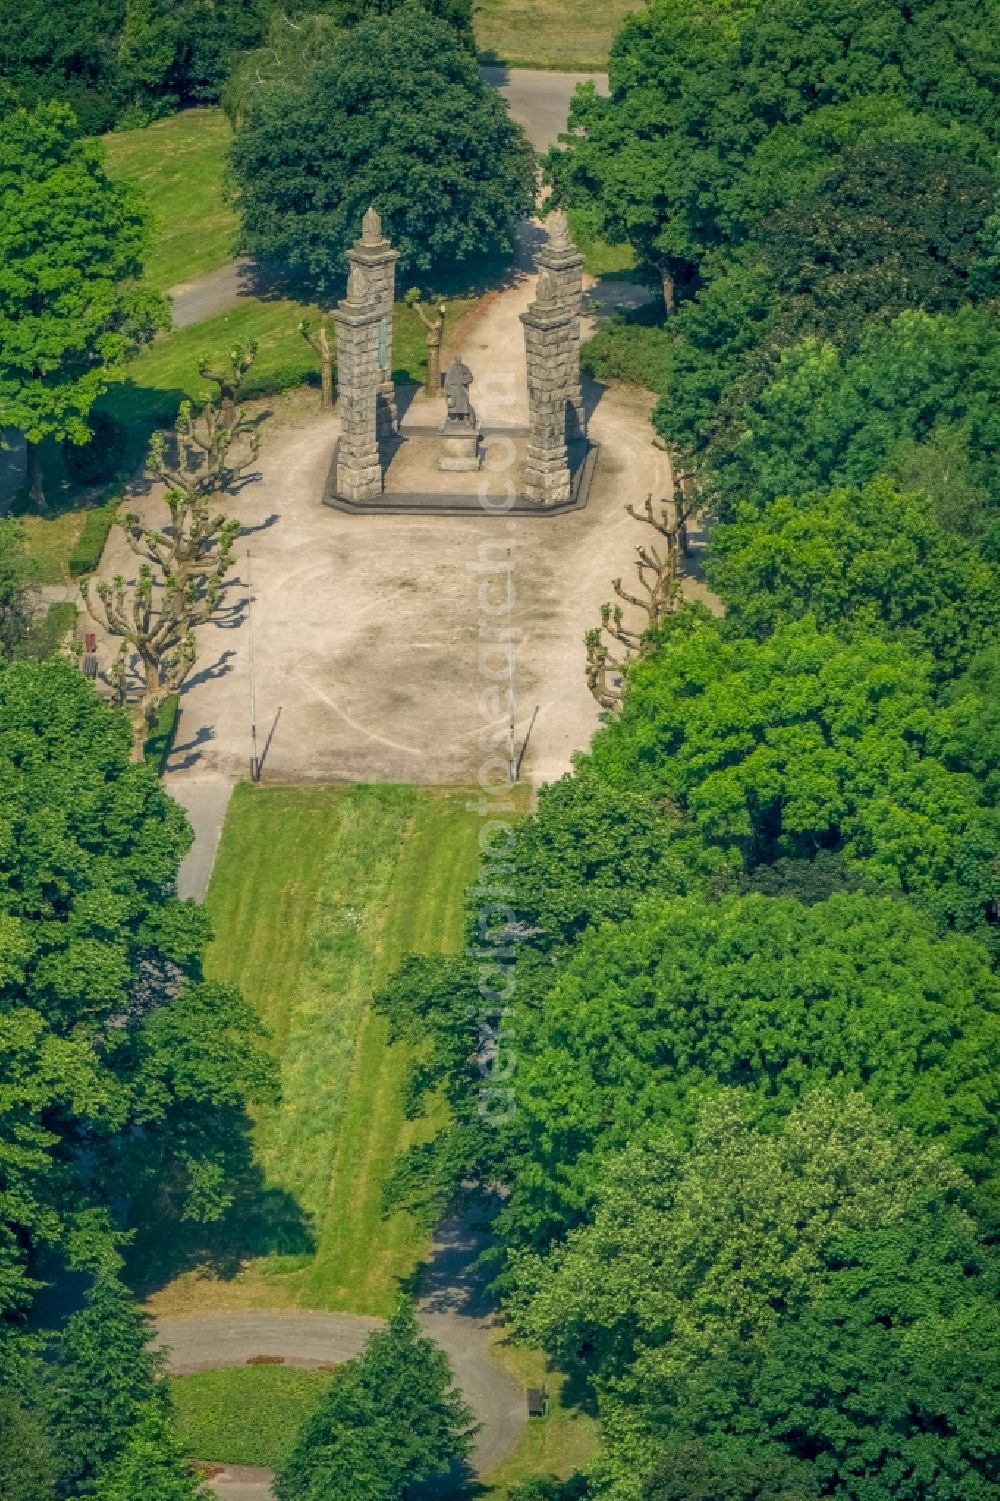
[375, 257]
[548, 347]
[564, 264]
[357, 320]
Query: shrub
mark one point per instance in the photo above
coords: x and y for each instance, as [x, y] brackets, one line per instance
[629, 347]
[86, 555]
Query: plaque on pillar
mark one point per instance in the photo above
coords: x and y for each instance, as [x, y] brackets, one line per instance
[460, 433]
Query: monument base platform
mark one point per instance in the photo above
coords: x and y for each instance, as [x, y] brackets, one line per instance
[416, 485]
[460, 451]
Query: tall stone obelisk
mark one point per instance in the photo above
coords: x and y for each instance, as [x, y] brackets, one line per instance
[549, 348]
[564, 263]
[357, 322]
[374, 255]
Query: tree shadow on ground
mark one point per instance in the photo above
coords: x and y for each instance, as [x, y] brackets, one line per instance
[183, 757]
[142, 410]
[262, 1220]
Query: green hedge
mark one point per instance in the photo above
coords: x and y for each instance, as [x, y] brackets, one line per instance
[86, 555]
[161, 736]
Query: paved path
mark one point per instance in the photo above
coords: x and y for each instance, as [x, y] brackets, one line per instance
[206, 800]
[540, 100]
[454, 1309]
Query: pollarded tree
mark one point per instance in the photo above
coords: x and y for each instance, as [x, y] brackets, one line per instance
[390, 1420]
[396, 116]
[71, 307]
[182, 566]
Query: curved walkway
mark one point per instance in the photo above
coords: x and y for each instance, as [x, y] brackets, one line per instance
[454, 1309]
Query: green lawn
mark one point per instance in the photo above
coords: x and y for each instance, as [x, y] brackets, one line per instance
[316, 894]
[178, 163]
[166, 372]
[557, 1444]
[573, 35]
[244, 1415]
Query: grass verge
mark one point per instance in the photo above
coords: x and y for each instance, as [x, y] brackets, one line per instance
[573, 35]
[178, 163]
[557, 1444]
[244, 1415]
[316, 893]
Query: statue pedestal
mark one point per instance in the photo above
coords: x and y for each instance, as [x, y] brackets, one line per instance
[460, 448]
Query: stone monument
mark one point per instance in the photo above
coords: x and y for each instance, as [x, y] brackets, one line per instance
[460, 429]
[357, 320]
[375, 257]
[550, 349]
[560, 257]
[363, 321]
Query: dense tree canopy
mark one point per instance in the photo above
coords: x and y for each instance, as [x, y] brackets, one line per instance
[857, 556]
[71, 246]
[396, 116]
[805, 742]
[697, 86]
[756, 992]
[814, 1290]
[105, 57]
[107, 1023]
[917, 395]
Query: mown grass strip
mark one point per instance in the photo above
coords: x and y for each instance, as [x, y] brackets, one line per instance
[178, 164]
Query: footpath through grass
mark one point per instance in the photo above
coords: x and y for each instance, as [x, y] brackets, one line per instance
[316, 894]
[569, 35]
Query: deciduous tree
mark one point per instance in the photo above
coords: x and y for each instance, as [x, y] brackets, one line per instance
[182, 566]
[839, 1245]
[71, 305]
[849, 556]
[107, 1025]
[398, 116]
[762, 993]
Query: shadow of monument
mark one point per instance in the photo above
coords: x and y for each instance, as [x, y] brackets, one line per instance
[593, 390]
